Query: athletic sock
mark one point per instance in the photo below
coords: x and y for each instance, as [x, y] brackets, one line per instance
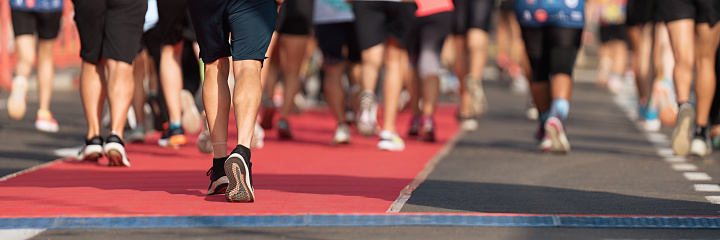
[218, 163]
[174, 125]
[701, 131]
[560, 108]
[243, 151]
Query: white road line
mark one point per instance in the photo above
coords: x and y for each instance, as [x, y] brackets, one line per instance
[697, 176]
[707, 187]
[713, 199]
[684, 167]
[420, 178]
[67, 152]
[657, 137]
[674, 159]
[19, 233]
[665, 152]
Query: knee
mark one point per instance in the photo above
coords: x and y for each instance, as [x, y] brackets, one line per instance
[562, 60]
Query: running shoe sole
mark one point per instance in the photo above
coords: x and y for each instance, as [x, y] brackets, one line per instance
[46, 126]
[218, 186]
[681, 132]
[116, 155]
[554, 129]
[90, 153]
[239, 188]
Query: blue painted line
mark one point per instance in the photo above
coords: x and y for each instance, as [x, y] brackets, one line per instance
[362, 220]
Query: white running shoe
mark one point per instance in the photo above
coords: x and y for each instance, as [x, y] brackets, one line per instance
[258, 138]
[390, 141]
[367, 115]
[114, 149]
[191, 120]
[204, 143]
[469, 124]
[555, 130]
[342, 134]
[17, 103]
[45, 122]
[682, 133]
[700, 147]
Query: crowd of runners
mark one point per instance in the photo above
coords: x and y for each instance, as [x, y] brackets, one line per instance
[252, 58]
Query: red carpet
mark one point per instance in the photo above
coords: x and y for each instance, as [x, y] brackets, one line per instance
[305, 175]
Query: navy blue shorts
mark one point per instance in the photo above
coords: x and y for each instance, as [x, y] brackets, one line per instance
[249, 24]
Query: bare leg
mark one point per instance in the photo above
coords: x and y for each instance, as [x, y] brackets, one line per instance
[641, 41]
[430, 93]
[216, 98]
[706, 44]
[92, 78]
[683, 44]
[392, 84]
[334, 92]
[247, 95]
[293, 49]
[171, 77]
[25, 47]
[120, 80]
[45, 72]
[139, 93]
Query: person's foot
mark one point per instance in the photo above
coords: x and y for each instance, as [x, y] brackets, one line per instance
[218, 179]
[92, 150]
[682, 133]
[390, 141]
[204, 143]
[190, 115]
[258, 139]
[555, 130]
[478, 103]
[239, 174]
[45, 122]
[136, 135]
[701, 145]
[152, 100]
[342, 134]
[367, 115]
[468, 124]
[115, 151]
[284, 130]
[267, 114]
[17, 103]
[414, 126]
[172, 136]
[428, 129]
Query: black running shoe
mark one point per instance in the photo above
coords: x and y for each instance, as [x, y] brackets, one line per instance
[92, 150]
[239, 174]
[115, 152]
[152, 100]
[428, 129]
[284, 130]
[414, 126]
[218, 180]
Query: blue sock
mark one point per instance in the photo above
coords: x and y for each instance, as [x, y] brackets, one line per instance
[544, 117]
[174, 125]
[560, 108]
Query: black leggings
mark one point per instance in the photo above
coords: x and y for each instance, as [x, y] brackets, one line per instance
[551, 50]
[715, 108]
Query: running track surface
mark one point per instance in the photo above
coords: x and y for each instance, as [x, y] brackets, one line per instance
[306, 175]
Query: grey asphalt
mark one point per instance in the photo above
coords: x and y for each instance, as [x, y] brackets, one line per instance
[612, 169]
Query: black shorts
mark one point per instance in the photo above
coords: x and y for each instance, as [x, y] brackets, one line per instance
[171, 20]
[551, 50]
[332, 37]
[640, 12]
[426, 41]
[507, 6]
[702, 11]
[251, 23]
[472, 14]
[47, 24]
[613, 32]
[375, 21]
[110, 28]
[296, 17]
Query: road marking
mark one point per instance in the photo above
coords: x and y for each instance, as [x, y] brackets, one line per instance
[657, 137]
[674, 159]
[19, 233]
[685, 167]
[713, 199]
[665, 152]
[67, 152]
[420, 178]
[697, 176]
[707, 187]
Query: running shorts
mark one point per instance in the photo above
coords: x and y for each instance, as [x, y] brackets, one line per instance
[560, 13]
[551, 50]
[375, 21]
[296, 17]
[331, 38]
[702, 11]
[613, 32]
[426, 41]
[507, 5]
[110, 28]
[47, 24]
[472, 14]
[251, 23]
[171, 15]
[640, 12]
